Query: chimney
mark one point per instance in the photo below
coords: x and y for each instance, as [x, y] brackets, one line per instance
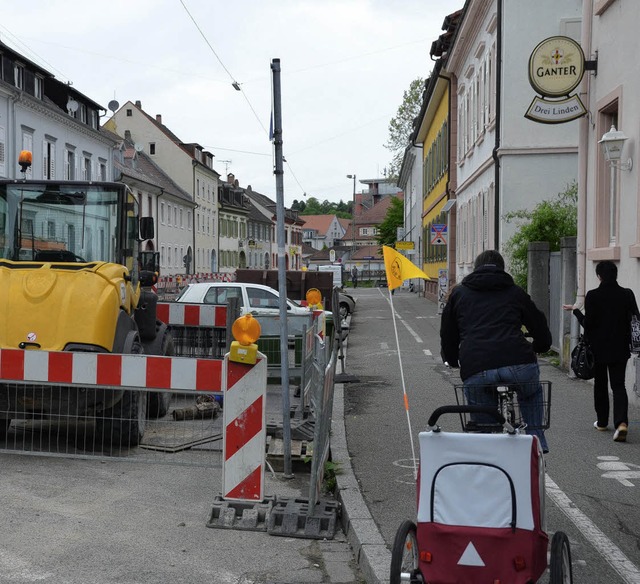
[138, 104]
[230, 178]
[127, 135]
[159, 118]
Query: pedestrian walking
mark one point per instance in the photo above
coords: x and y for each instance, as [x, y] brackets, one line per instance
[481, 332]
[608, 310]
[354, 276]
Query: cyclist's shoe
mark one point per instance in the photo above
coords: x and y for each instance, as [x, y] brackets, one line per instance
[620, 434]
[600, 428]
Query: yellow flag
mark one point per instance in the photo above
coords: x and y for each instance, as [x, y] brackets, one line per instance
[399, 268]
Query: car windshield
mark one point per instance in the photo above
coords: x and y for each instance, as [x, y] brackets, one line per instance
[55, 222]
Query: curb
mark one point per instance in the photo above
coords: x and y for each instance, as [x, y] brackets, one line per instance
[370, 550]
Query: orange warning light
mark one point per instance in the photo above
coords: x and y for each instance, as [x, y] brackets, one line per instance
[313, 296]
[246, 330]
[25, 159]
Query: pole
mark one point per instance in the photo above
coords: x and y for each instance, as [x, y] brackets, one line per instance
[282, 276]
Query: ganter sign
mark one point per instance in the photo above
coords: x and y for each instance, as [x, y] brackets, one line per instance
[556, 67]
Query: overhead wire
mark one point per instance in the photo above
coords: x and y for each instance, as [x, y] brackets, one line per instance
[238, 87]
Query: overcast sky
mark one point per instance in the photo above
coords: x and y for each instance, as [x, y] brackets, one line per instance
[345, 65]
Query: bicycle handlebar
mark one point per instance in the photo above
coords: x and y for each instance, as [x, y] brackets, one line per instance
[465, 409]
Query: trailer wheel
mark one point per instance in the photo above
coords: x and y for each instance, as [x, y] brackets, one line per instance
[159, 401]
[123, 424]
[404, 555]
[560, 561]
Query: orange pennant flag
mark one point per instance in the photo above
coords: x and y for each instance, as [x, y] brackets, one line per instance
[399, 268]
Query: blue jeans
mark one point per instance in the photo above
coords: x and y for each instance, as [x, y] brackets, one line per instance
[480, 390]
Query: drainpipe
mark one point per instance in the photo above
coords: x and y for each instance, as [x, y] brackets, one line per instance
[496, 159]
[583, 163]
[451, 258]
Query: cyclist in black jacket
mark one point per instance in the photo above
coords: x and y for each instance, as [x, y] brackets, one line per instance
[482, 333]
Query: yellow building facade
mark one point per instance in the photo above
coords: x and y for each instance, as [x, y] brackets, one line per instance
[434, 136]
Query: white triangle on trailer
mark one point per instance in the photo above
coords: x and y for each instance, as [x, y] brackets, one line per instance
[470, 557]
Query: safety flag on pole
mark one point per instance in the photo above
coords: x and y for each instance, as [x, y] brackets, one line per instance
[399, 268]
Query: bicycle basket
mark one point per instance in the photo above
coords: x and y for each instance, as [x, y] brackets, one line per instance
[489, 395]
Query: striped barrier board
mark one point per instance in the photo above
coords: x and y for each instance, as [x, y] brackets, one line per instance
[111, 370]
[179, 313]
[245, 429]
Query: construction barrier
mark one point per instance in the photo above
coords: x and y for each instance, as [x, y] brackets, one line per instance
[245, 430]
[110, 370]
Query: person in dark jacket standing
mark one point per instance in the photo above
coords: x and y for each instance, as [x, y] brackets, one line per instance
[481, 331]
[607, 324]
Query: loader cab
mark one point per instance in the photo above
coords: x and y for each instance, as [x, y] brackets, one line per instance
[71, 222]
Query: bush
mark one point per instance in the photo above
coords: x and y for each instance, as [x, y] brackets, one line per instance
[550, 220]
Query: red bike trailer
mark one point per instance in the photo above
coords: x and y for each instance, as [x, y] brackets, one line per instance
[480, 518]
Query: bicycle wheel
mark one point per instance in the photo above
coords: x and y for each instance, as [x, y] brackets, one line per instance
[560, 564]
[404, 555]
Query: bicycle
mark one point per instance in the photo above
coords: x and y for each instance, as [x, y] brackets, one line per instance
[504, 397]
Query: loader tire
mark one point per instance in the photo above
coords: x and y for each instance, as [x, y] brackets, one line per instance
[123, 424]
[159, 401]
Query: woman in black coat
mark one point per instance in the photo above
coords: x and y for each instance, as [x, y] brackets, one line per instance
[607, 325]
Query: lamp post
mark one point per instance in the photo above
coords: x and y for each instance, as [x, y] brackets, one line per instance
[612, 144]
[353, 223]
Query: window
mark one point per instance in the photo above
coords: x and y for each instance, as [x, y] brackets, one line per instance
[129, 112]
[82, 113]
[93, 119]
[181, 225]
[189, 220]
[86, 168]
[103, 170]
[69, 164]
[162, 213]
[222, 294]
[152, 148]
[51, 230]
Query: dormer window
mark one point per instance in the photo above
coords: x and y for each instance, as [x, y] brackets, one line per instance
[38, 88]
[18, 75]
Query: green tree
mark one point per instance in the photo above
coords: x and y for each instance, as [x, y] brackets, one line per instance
[388, 229]
[401, 126]
[550, 220]
[298, 205]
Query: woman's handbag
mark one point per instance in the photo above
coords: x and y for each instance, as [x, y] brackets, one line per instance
[582, 361]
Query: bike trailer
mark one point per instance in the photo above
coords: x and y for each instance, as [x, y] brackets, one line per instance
[481, 508]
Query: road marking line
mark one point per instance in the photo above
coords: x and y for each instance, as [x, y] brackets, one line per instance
[427, 352]
[609, 551]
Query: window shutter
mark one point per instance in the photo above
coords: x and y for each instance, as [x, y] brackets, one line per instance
[52, 174]
[45, 160]
[3, 164]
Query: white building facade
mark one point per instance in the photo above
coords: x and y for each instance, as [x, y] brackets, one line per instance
[505, 162]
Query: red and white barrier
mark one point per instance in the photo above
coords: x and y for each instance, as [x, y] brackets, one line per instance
[245, 429]
[111, 370]
[179, 313]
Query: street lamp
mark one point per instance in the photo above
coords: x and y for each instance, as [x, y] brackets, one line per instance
[353, 223]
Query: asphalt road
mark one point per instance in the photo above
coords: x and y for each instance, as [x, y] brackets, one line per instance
[593, 483]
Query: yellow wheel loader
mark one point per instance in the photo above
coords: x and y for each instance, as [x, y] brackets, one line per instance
[71, 280]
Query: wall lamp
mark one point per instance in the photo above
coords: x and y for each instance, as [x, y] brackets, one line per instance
[612, 145]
